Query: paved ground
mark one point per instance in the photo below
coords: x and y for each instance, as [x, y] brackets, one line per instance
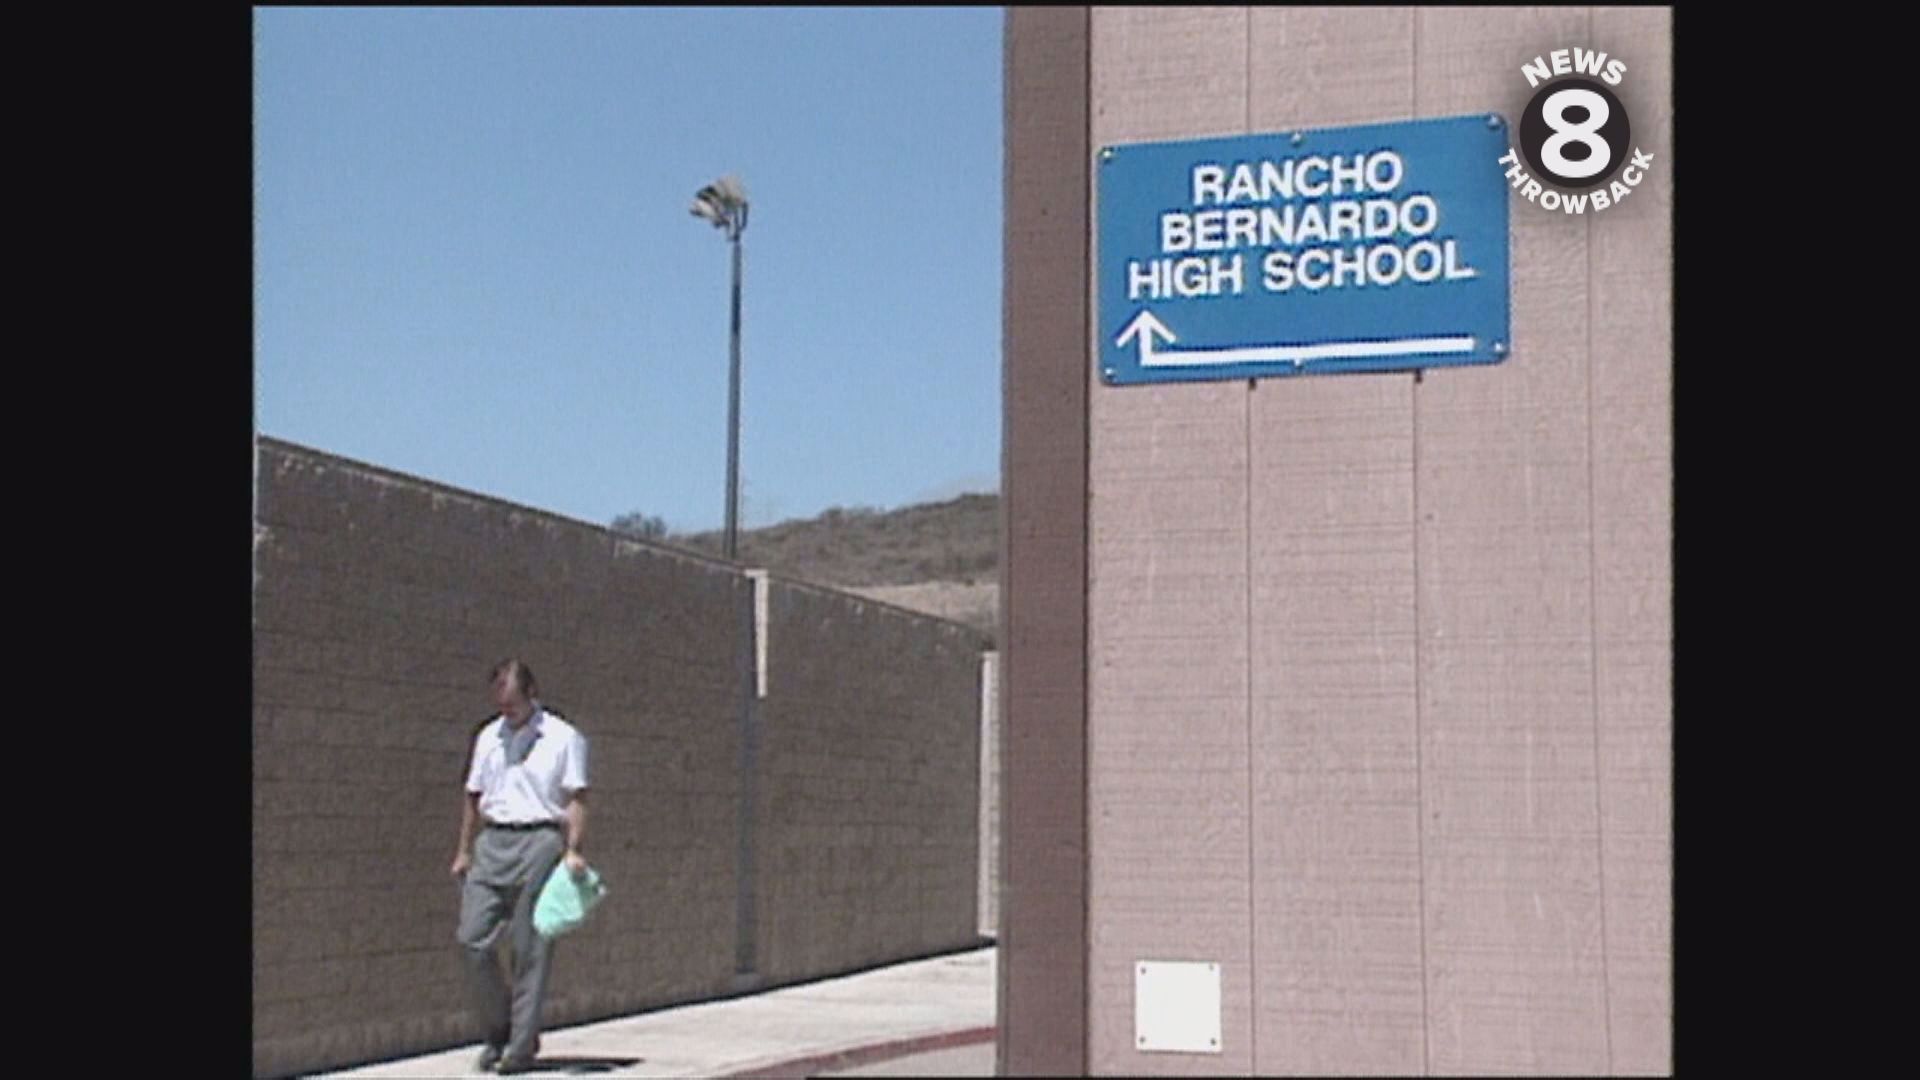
[972, 1060]
[933, 1015]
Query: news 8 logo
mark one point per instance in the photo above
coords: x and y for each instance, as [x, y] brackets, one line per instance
[1573, 149]
[1575, 133]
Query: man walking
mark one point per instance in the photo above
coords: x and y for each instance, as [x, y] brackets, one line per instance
[526, 790]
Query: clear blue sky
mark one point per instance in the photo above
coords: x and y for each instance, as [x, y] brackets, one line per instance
[474, 260]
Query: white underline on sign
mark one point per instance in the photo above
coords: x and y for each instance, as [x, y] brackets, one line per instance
[1147, 332]
[1300, 354]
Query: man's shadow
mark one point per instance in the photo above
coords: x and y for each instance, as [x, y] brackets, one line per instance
[581, 1065]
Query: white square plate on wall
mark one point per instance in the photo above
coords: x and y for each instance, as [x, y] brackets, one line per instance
[1176, 1006]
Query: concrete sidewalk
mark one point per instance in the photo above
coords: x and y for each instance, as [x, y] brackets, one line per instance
[937, 1012]
[974, 1059]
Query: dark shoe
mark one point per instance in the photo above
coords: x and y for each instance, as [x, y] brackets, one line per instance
[489, 1057]
[521, 1065]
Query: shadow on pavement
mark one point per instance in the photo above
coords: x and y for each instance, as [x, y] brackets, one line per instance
[577, 1066]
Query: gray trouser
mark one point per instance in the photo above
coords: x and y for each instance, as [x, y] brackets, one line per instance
[508, 871]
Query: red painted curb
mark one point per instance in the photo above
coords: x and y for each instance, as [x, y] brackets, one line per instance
[801, 1068]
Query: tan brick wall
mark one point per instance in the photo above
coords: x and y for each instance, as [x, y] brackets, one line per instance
[380, 601]
[869, 784]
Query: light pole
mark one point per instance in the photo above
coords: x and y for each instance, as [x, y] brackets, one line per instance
[724, 203]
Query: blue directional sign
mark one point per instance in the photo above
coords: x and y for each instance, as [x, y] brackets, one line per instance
[1381, 247]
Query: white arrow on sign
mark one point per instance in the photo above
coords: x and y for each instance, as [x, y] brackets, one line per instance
[1145, 326]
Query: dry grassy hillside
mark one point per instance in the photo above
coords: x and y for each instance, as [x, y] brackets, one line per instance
[940, 558]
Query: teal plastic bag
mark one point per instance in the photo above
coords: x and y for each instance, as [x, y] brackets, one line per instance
[565, 900]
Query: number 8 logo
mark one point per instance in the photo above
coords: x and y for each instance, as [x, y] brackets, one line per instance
[1548, 135]
[1553, 153]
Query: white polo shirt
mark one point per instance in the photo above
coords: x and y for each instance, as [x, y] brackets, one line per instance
[539, 788]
